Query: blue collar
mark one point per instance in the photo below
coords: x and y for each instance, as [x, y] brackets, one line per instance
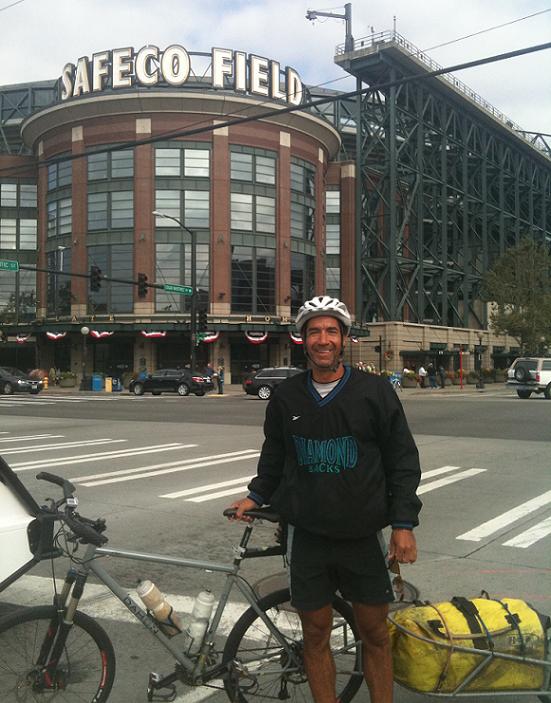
[329, 397]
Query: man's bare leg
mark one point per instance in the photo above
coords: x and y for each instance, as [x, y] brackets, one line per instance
[318, 660]
[377, 655]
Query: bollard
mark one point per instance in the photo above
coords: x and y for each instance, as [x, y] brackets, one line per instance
[108, 384]
[45, 382]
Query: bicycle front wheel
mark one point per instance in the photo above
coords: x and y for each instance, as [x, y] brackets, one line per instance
[85, 670]
[262, 669]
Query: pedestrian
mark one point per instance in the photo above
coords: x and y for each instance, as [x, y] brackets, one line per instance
[442, 376]
[338, 463]
[209, 371]
[220, 379]
[422, 375]
[431, 373]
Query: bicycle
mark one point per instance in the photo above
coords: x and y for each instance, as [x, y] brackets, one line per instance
[57, 653]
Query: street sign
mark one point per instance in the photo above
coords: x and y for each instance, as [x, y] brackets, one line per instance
[181, 290]
[7, 265]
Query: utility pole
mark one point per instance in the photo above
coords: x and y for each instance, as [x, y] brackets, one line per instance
[347, 17]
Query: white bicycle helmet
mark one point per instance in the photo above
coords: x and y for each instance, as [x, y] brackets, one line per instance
[323, 305]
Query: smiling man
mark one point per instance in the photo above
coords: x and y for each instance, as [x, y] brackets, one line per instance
[339, 464]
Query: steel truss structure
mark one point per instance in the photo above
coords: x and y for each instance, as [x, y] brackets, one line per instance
[443, 188]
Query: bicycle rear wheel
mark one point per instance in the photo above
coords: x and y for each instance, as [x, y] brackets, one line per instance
[85, 671]
[263, 669]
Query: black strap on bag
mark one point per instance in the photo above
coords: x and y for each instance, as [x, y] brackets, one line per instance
[476, 625]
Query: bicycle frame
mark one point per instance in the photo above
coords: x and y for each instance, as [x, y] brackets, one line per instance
[195, 667]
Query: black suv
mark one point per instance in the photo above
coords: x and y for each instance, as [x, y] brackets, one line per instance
[13, 380]
[181, 381]
[265, 381]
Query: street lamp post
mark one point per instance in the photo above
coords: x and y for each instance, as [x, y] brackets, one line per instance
[193, 306]
[84, 331]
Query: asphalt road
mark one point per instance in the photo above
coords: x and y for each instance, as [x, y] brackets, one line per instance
[161, 470]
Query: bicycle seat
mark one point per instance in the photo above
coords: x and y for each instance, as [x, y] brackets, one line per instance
[258, 514]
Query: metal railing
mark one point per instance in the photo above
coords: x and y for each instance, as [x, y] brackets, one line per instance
[392, 37]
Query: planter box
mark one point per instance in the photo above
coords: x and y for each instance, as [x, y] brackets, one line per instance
[409, 382]
[472, 381]
[67, 382]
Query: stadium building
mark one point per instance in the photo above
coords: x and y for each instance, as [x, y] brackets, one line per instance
[223, 172]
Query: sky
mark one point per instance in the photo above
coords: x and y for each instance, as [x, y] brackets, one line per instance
[38, 37]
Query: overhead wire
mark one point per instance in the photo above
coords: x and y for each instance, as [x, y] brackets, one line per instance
[279, 111]
[13, 4]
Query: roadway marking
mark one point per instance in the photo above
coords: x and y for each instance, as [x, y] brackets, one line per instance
[433, 485]
[530, 536]
[99, 456]
[42, 401]
[31, 436]
[234, 456]
[506, 519]
[438, 472]
[209, 487]
[63, 445]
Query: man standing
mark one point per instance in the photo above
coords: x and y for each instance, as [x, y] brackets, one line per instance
[339, 463]
[422, 375]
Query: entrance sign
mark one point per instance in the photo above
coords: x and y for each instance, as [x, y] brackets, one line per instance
[149, 66]
[7, 265]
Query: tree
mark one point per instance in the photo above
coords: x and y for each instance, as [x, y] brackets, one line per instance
[519, 288]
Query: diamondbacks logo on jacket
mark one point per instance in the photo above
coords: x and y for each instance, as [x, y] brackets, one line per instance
[326, 456]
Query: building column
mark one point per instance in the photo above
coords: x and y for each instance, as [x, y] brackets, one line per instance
[79, 204]
[144, 225]
[283, 239]
[220, 237]
[348, 242]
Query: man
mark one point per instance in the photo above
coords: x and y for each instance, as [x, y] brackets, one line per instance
[422, 375]
[339, 464]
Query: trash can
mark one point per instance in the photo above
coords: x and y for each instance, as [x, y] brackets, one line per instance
[116, 385]
[109, 384]
[97, 382]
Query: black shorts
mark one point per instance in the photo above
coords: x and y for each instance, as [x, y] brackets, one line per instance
[320, 566]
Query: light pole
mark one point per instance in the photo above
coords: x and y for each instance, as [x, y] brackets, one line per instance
[84, 331]
[193, 307]
[59, 268]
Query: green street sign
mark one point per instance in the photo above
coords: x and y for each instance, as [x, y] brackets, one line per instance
[7, 265]
[181, 290]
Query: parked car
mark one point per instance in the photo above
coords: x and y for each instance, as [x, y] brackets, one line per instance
[529, 375]
[264, 382]
[181, 381]
[14, 380]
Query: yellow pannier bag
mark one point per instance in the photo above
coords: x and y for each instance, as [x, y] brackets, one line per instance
[508, 626]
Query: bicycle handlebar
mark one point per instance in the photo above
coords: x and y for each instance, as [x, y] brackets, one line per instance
[68, 488]
[85, 532]
[257, 513]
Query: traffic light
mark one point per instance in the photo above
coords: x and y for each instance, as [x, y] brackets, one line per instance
[95, 278]
[142, 285]
[202, 321]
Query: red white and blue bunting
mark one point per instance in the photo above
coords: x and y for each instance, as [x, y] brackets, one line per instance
[22, 338]
[55, 336]
[210, 337]
[100, 335]
[152, 335]
[256, 337]
[295, 337]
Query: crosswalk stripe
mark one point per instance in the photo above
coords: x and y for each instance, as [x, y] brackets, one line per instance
[219, 494]
[505, 519]
[204, 489]
[98, 456]
[531, 536]
[149, 474]
[438, 472]
[432, 485]
[41, 401]
[180, 462]
[62, 445]
[31, 436]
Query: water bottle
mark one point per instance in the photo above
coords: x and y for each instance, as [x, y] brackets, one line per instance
[200, 616]
[155, 602]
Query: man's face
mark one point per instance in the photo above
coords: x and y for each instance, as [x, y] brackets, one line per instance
[323, 341]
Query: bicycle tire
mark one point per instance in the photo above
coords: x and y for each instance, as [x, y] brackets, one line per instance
[250, 647]
[86, 669]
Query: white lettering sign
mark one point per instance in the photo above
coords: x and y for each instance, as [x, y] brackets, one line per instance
[231, 70]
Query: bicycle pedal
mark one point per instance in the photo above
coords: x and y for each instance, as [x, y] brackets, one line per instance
[154, 686]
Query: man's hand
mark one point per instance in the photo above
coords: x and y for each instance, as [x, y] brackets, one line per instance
[403, 547]
[241, 506]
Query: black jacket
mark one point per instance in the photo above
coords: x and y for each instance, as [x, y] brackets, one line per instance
[343, 466]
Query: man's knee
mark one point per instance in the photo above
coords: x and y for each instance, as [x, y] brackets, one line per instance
[316, 626]
[371, 623]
